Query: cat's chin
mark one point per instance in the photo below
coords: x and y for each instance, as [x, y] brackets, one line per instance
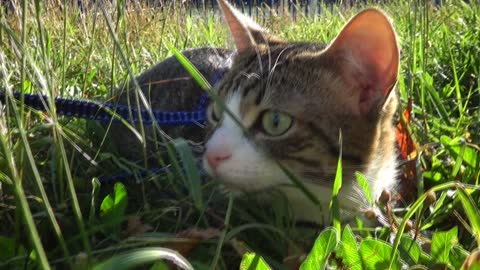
[242, 185]
[239, 183]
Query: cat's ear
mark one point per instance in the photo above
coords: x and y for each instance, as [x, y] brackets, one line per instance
[246, 33]
[369, 57]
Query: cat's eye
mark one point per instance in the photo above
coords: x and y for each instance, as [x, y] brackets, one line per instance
[216, 111]
[276, 123]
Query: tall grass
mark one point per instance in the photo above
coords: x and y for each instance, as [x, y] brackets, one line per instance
[50, 165]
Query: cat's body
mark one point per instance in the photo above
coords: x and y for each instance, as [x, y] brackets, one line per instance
[293, 101]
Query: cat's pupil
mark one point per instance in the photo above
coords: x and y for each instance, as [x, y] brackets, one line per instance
[276, 120]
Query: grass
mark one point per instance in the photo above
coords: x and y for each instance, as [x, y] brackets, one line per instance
[55, 214]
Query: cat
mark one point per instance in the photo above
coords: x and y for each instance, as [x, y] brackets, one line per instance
[293, 99]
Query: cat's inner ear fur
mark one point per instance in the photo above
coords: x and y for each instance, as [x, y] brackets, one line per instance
[368, 55]
[245, 32]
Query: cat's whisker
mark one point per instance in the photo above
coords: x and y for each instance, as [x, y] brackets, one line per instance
[269, 53]
[383, 219]
[361, 197]
[250, 75]
[272, 70]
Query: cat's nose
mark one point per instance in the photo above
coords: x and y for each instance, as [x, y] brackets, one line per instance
[216, 156]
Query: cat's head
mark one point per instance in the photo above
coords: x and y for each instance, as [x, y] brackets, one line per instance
[292, 99]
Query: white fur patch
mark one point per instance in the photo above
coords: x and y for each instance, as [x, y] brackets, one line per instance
[247, 168]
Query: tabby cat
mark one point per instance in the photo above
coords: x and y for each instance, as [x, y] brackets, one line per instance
[293, 100]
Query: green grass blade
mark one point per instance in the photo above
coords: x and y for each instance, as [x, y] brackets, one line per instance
[337, 185]
[20, 194]
[200, 79]
[24, 58]
[64, 48]
[226, 224]
[414, 208]
[456, 83]
[59, 145]
[298, 183]
[436, 100]
[471, 210]
[251, 261]
[139, 257]
[93, 200]
[191, 69]
[191, 171]
[140, 98]
[31, 161]
[138, 93]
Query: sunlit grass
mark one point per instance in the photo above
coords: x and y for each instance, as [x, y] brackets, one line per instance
[47, 162]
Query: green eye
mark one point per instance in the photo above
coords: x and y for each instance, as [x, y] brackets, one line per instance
[276, 123]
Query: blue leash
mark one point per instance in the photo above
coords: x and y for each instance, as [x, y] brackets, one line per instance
[104, 112]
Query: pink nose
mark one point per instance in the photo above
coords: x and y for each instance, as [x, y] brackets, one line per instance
[216, 156]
